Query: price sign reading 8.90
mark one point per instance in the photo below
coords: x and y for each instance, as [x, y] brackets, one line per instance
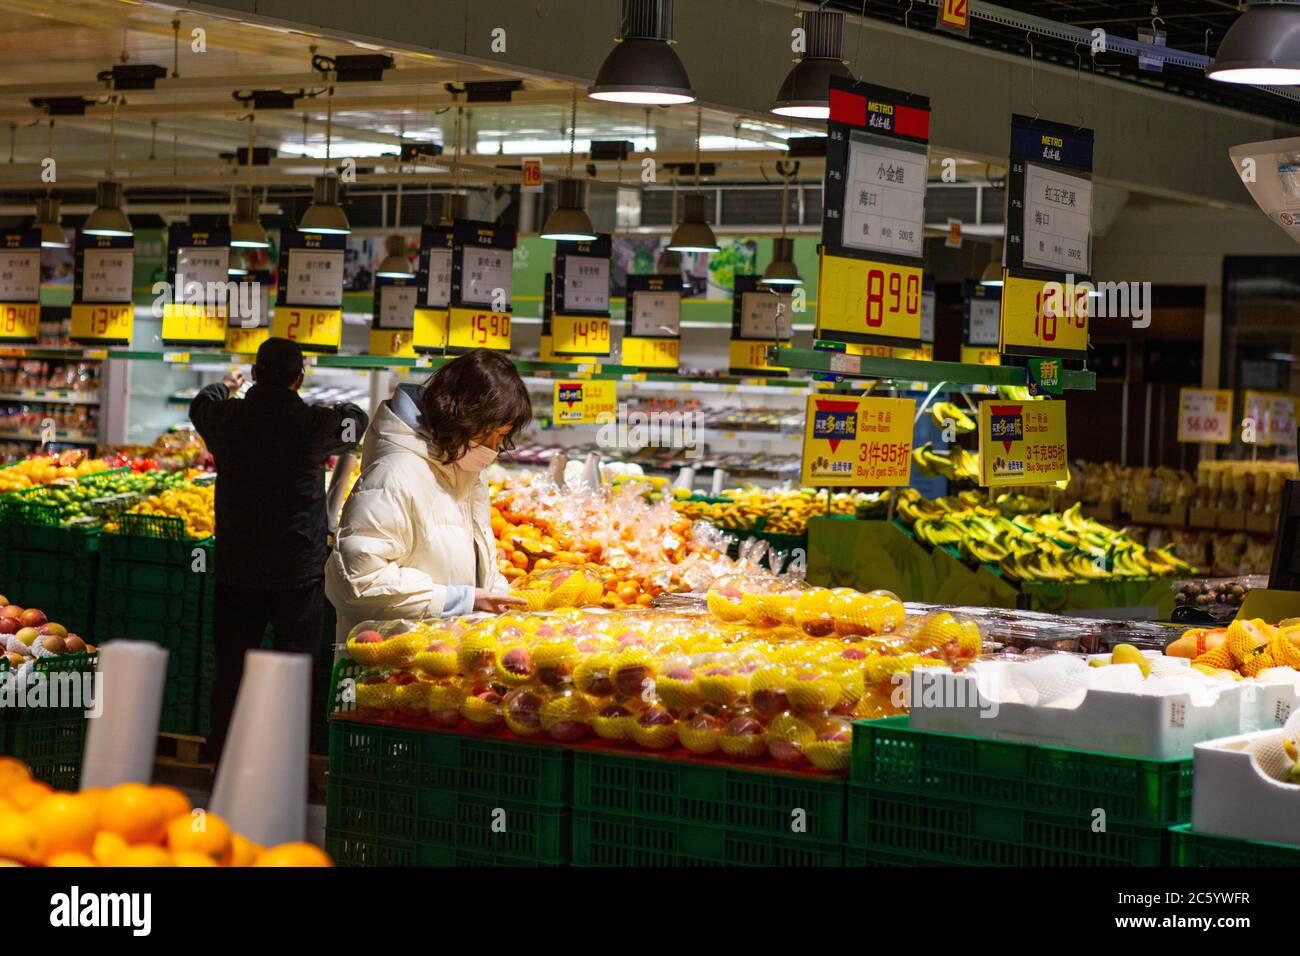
[890, 294]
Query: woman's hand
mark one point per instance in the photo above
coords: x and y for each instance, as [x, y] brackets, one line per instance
[493, 603]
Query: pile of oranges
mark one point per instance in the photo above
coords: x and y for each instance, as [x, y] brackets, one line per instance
[127, 825]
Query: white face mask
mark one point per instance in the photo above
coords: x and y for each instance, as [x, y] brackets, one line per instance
[476, 457]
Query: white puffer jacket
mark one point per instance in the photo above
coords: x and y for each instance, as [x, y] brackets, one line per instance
[411, 528]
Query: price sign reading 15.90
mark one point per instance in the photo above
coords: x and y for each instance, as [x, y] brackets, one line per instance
[478, 329]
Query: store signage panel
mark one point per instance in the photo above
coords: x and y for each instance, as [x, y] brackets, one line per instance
[102, 313]
[429, 318]
[309, 300]
[584, 402]
[1022, 443]
[199, 287]
[20, 286]
[1205, 415]
[482, 284]
[857, 442]
[983, 313]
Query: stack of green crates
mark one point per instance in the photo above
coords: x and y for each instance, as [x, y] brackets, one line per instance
[156, 585]
[50, 740]
[645, 811]
[1202, 849]
[922, 798]
[400, 797]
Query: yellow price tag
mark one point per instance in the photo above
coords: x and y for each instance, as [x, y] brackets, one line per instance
[1022, 443]
[751, 356]
[975, 355]
[478, 329]
[546, 353]
[585, 402]
[873, 300]
[392, 342]
[857, 442]
[651, 353]
[579, 335]
[1043, 318]
[924, 354]
[430, 330]
[1205, 414]
[20, 321]
[246, 341]
[319, 329]
[193, 324]
[102, 323]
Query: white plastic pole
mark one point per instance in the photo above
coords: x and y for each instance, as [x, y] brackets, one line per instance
[120, 742]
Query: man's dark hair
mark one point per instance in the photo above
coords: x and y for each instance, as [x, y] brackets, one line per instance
[473, 396]
[279, 363]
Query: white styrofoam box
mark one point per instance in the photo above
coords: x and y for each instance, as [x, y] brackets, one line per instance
[1265, 705]
[1152, 726]
[1232, 797]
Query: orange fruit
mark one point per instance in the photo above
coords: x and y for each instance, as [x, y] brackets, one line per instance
[206, 833]
[174, 802]
[243, 851]
[21, 840]
[134, 812]
[191, 858]
[12, 770]
[143, 855]
[107, 847]
[27, 793]
[69, 859]
[67, 821]
[294, 854]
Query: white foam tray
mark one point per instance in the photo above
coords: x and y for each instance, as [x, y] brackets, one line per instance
[1131, 725]
[1232, 797]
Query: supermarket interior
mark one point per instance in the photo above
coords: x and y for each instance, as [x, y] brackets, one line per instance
[628, 433]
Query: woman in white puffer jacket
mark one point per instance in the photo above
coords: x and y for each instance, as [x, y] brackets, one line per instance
[415, 539]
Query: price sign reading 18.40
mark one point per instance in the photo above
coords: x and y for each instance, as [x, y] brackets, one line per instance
[1043, 318]
[20, 286]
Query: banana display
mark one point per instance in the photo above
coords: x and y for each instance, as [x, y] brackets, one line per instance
[953, 464]
[944, 412]
[1055, 547]
[771, 510]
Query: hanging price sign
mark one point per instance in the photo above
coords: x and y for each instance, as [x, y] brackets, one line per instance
[315, 330]
[482, 285]
[478, 329]
[20, 286]
[1043, 318]
[973, 355]
[747, 357]
[309, 304]
[579, 335]
[102, 313]
[1022, 443]
[246, 341]
[857, 442]
[1205, 415]
[651, 353]
[199, 290]
[863, 301]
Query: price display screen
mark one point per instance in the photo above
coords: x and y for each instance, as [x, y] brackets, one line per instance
[396, 306]
[20, 275]
[486, 270]
[315, 277]
[202, 264]
[985, 316]
[106, 275]
[586, 284]
[765, 315]
[251, 305]
[656, 313]
[884, 196]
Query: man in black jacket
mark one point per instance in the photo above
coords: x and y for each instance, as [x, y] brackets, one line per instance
[271, 448]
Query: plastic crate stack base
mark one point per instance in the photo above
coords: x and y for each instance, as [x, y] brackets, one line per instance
[1193, 849]
[929, 798]
[397, 797]
[149, 590]
[50, 741]
[54, 569]
[650, 811]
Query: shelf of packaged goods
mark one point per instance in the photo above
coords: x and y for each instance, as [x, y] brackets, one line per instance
[50, 396]
[907, 370]
[60, 438]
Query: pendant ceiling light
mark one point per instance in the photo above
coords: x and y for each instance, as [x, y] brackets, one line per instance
[992, 275]
[395, 264]
[569, 220]
[806, 90]
[325, 215]
[246, 230]
[107, 218]
[47, 213]
[238, 264]
[693, 233]
[782, 270]
[1262, 47]
[643, 68]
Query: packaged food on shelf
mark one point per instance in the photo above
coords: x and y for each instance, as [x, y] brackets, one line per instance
[1218, 597]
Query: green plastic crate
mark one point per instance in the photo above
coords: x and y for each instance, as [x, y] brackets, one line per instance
[133, 607]
[484, 766]
[353, 849]
[448, 819]
[606, 839]
[735, 799]
[158, 539]
[123, 574]
[49, 740]
[1203, 849]
[891, 757]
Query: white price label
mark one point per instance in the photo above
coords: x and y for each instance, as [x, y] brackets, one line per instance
[484, 270]
[439, 296]
[397, 306]
[106, 275]
[656, 313]
[1058, 220]
[20, 275]
[884, 196]
[765, 315]
[315, 278]
[586, 284]
[985, 317]
[202, 264]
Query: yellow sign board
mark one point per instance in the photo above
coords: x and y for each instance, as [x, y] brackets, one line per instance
[976, 355]
[857, 442]
[873, 300]
[1205, 414]
[194, 324]
[246, 341]
[1270, 416]
[478, 329]
[584, 402]
[651, 353]
[1043, 318]
[748, 355]
[102, 323]
[318, 330]
[1022, 443]
[580, 335]
[392, 342]
[20, 321]
[430, 329]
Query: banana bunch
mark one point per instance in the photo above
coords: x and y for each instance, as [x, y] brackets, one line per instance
[1015, 393]
[953, 464]
[944, 412]
[773, 510]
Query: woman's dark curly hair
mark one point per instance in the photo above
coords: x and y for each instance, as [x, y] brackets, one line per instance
[473, 396]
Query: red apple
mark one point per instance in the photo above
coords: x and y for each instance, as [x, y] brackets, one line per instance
[517, 661]
[783, 751]
[32, 617]
[9, 625]
[615, 710]
[449, 718]
[401, 678]
[839, 734]
[630, 681]
[524, 705]
[770, 702]
[744, 726]
[681, 672]
[370, 637]
[654, 716]
[439, 647]
[10, 610]
[74, 644]
[854, 654]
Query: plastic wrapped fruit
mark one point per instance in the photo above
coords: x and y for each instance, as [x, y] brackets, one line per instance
[721, 683]
[767, 693]
[699, 729]
[725, 598]
[374, 692]
[372, 644]
[514, 665]
[857, 613]
[813, 690]
[565, 586]
[948, 635]
[476, 656]
[413, 696]
[677, 686]
[482, 708]
[654, 728]
[554, 657]
[812, 612]
[443, 703]
[566, 716]
[632, 671]
[743, 736]
[767, 604]
[591, 674]
[613, 722]
[831, 748]
[437, 658]
[787, 738]
[521, 709]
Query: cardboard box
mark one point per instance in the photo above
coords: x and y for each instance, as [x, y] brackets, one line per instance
[1261, 524]
[1176, 517]
[1105, 511]
[1234, 520]
[1201, 517]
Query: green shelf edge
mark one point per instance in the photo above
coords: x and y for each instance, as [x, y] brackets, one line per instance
[908, 370]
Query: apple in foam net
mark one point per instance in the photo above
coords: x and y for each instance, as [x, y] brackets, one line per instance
[439, 647]
[370, 637]
[27, 635]
[837, 734]
[630, 680]
[517, 661]
[770, 701]
[655, 716]
[74, 644]
[615, 710]
[744, 726]
[854, 654]
[681, 672]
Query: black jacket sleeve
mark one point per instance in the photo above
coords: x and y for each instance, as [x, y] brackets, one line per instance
[339, 429]
[209, 398]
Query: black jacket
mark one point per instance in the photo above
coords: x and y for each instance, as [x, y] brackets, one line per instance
[271, 448]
